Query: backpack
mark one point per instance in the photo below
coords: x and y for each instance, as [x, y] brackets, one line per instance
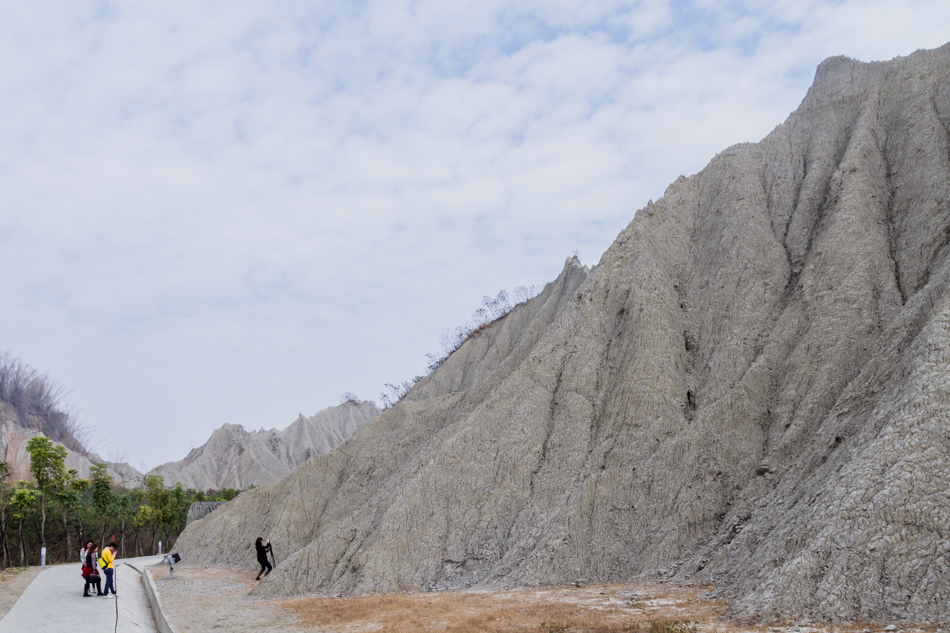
[102, 563]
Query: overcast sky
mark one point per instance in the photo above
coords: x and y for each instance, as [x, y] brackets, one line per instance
[235, 211]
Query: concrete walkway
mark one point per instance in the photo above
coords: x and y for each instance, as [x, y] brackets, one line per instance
[53, 603]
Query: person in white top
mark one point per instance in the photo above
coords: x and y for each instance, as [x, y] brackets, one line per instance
[84, 551]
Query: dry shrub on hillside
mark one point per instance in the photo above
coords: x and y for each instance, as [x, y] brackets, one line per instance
[37, 401]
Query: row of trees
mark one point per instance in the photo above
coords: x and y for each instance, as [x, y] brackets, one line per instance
[60, 510]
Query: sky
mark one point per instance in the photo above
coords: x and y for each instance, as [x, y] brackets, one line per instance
[235, 212]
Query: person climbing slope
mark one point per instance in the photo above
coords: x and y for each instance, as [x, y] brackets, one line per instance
[262, 557]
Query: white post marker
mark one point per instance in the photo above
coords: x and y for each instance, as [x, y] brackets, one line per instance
[159, 547]
[42, 557]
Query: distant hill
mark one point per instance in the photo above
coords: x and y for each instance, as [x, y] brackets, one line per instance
[235, 458]
[232, 458]
[14, 436]
[30, 406]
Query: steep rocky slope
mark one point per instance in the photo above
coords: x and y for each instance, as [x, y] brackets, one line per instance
[235, 458]
[751, 387]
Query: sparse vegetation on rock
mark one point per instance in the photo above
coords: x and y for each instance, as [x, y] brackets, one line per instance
[37, 402]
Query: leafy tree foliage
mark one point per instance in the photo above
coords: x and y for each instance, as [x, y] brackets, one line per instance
[48, 467]
[23, 502]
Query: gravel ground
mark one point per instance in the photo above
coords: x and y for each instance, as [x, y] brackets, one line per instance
[12, 583]
[216, 598]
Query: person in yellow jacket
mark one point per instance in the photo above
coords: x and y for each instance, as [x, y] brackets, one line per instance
[107, 562]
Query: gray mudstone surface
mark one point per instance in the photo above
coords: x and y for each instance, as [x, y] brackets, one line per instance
[239, 459]
[752, 387]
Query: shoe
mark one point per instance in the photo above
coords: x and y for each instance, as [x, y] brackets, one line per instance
[86, 595]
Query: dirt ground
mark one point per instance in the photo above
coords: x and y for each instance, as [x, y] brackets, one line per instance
[13, 581]
[216, 598]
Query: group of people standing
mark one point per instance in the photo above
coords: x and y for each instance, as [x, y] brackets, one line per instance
[92, 562]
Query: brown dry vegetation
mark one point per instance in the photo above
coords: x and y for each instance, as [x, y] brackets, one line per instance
[464, 612]
[598, 609]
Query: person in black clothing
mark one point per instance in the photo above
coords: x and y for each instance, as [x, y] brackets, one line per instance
[92, 565]
[262, 557]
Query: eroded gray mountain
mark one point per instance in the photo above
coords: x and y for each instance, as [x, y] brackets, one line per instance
[752, 387]
[235, 458]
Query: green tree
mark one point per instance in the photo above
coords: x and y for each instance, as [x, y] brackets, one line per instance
[5, 545]
[179, 509]
[124, 510]
[102, 497]
[68, 499]
[48, 466]
[159, 502]
[143, 518]
[24, 498]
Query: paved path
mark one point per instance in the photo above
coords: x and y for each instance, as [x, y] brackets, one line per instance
[53, 602]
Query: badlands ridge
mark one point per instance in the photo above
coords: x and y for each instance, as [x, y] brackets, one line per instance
[752, 388]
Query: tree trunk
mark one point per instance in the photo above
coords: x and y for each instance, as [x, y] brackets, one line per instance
[69, 537]
[5, 546]
[122, 536]
[23, 558]
[36, 530]
[80, 532]
[43, 520]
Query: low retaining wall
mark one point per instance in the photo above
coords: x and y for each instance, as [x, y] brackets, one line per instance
[164, 626]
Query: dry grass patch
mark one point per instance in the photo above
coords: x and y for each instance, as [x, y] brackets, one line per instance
[599, 609]
[460, 612]
[643, 608]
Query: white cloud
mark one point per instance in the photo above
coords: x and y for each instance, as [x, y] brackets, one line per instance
[235, 212]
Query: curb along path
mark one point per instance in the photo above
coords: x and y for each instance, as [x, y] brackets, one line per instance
[155, 600]
[53, 603]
